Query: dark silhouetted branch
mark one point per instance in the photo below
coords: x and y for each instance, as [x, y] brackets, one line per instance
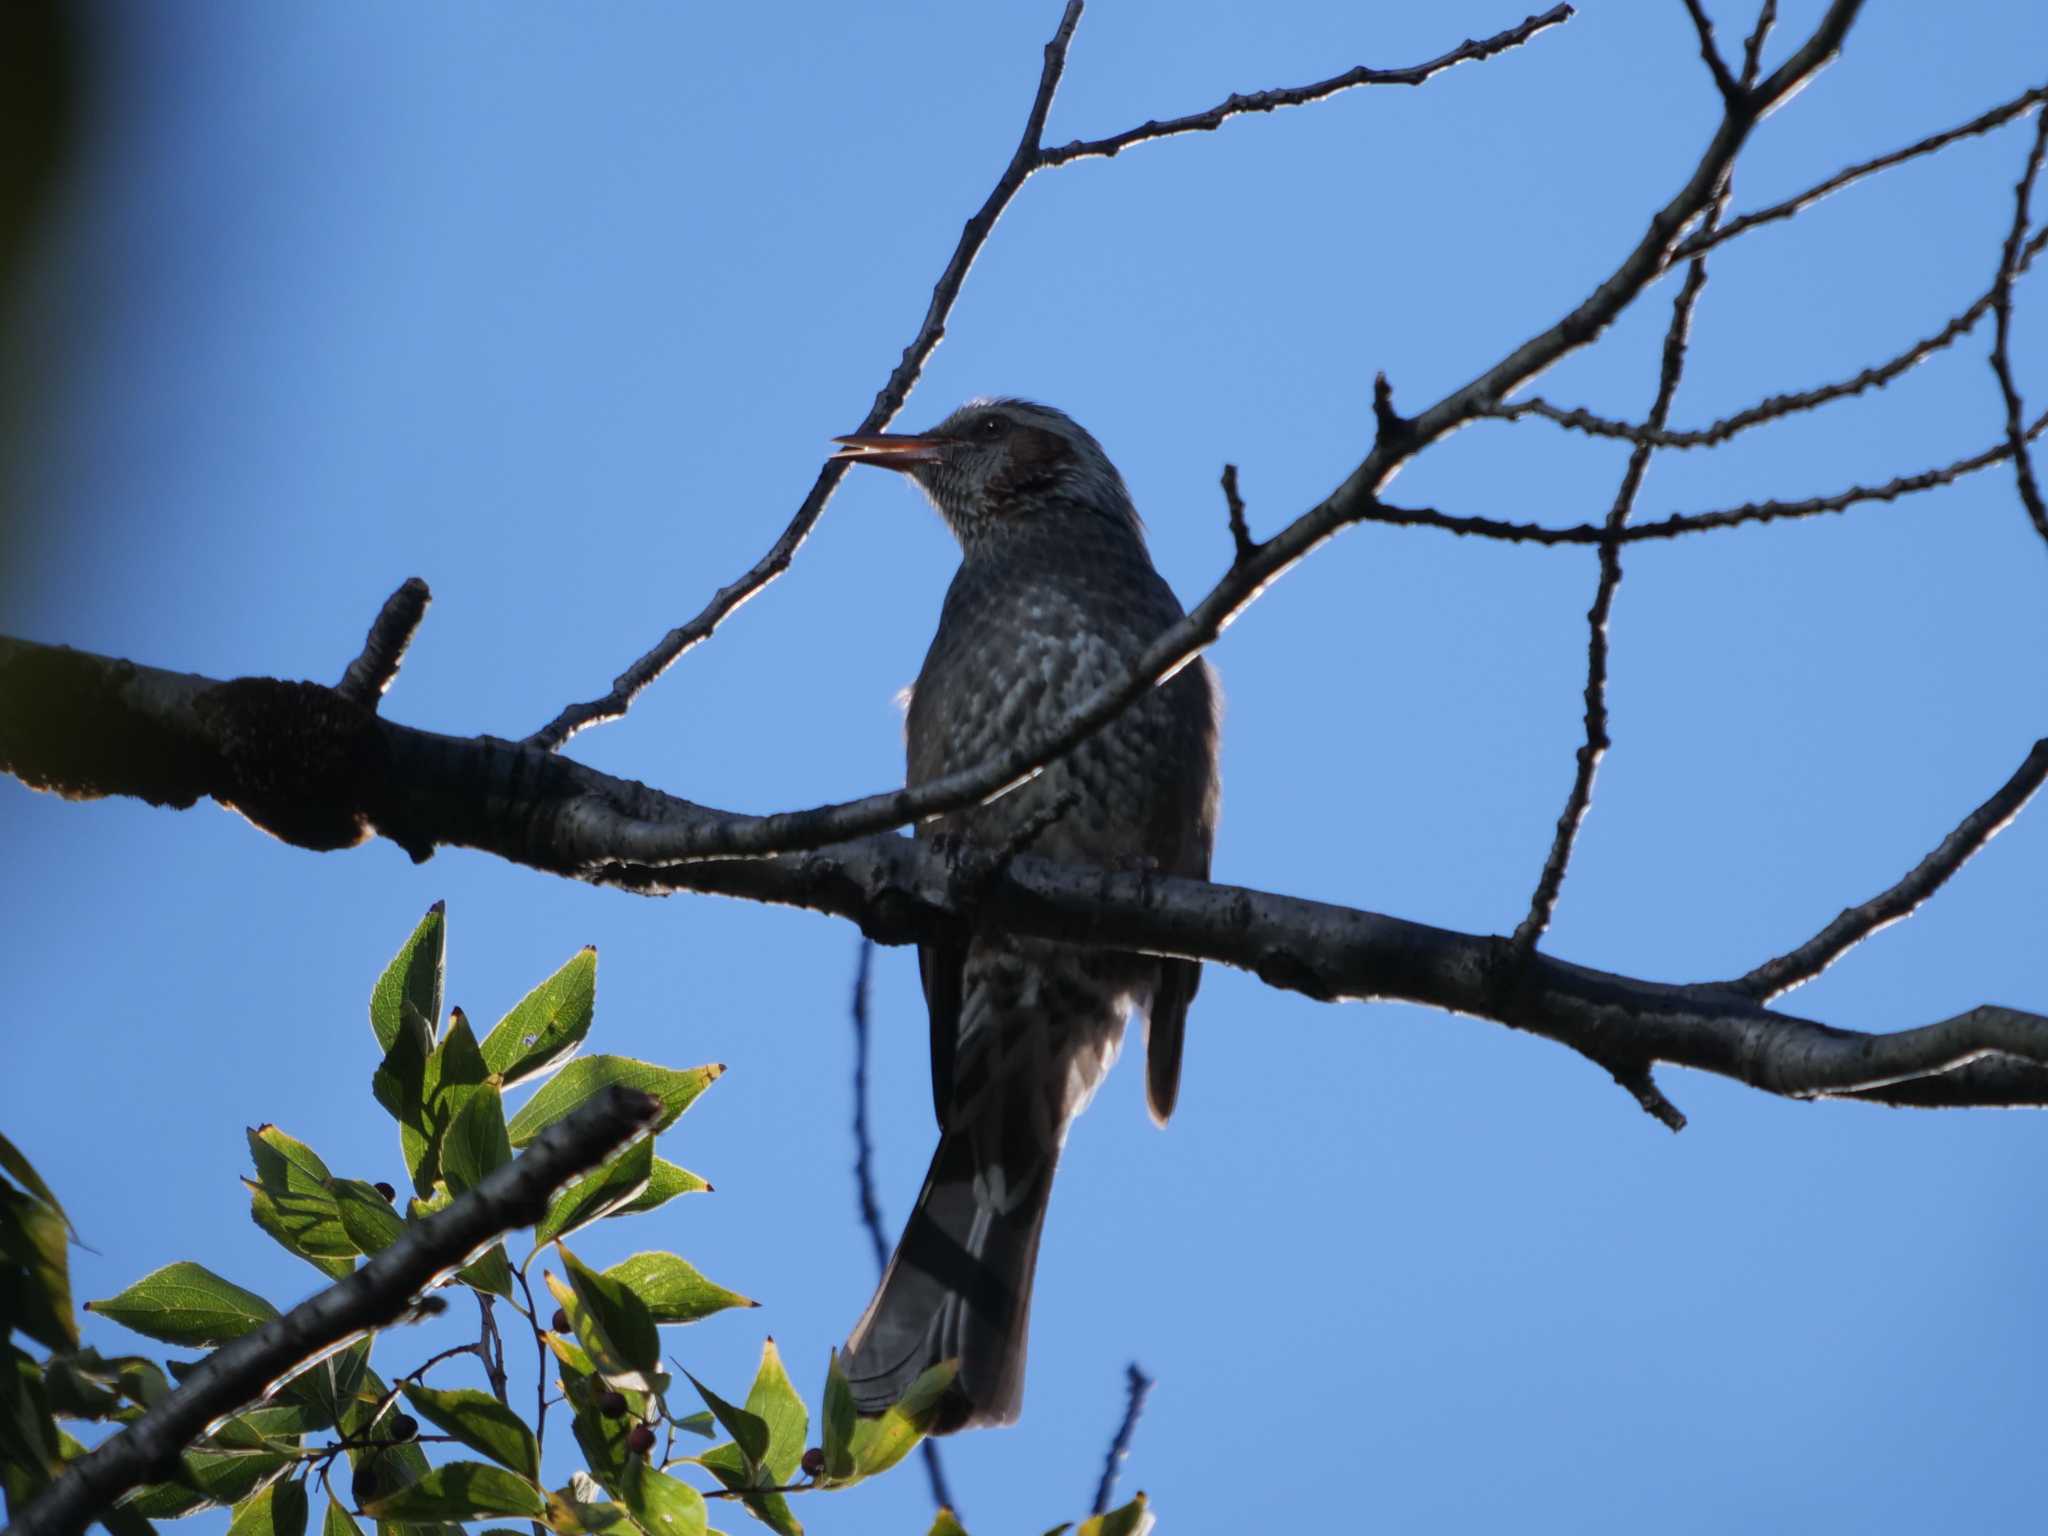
[1244, 547]
[1753, 45]
[1138, 1387]
[378, 1293]
[2001, 356]
[1703, 24]
[1706, 240]
[1237, 105]
[373, 670]
[1925, 878]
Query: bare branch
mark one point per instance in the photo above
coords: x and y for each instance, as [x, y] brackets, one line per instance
[382, 1290]
[1925, 878]
[1138, 1387]
[373, 670]
[1711, 53]
[1671, 367]
[1237, 105]
[87, 725]
[2001, 357]
[888, 401]
[1753, 45]
[1775, 406]
[1241, 540]
[1706, 240]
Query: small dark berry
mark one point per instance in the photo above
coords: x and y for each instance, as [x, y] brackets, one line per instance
[404, 1426]
[611, 1404]
[561, 1321]
[814, 1461]
[639, 1439]
[385, 1190]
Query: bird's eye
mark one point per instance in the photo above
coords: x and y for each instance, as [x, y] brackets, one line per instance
[989, 428]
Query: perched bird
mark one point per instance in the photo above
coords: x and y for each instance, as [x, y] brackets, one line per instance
[1055, 593]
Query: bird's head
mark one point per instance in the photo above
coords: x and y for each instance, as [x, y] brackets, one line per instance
[996, 466]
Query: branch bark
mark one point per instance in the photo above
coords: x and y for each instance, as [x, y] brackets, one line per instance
[238, 1373]
[303, 764]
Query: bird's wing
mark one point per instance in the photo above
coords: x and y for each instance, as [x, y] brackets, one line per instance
[941, 965]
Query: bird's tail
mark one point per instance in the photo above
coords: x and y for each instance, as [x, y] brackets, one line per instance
[957, 1288]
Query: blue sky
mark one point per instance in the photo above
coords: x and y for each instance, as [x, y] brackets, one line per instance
[557, 309]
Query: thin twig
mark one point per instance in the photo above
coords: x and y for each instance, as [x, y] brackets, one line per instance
[888, 401]
[2001, 357]
[1241, 539]
[1773, 407]
[864, 1180]
[1717, 66]
[1236, 105]
[384, 1288]
[1705, 240]
[384, 649]
[1671, 367]
[1753, 45]
[1139, 1387]
[1859, 922]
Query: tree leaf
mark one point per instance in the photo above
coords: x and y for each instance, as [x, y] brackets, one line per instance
[308, 1229]
[36, 1270]
[610, 1185]
[23, 1172]
[413, 976]
[610, 1322]
[400, 1085]
[589, 1075]
[945, 1523]
[460, 1490]
[492, 1272]
[698, 1423]
[661, 1505]
[546, 1025]
[279, 1510]
[480, 1422]
[372, 1225]
[339, 1522]
[473, 1142]
[775, 1402]
[878, 1444]
[1132, 1519]
[186, 1303]
[664, 1182]
[729, 1465]
[749, 1432]
[229, 1474]
[840, 1422]
[673, 1291]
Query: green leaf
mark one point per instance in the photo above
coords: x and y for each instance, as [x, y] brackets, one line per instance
[36, 1270]
[610, 1322]
[311, 1230]
[492, 1272]
[775, 1402]
[372, 1225]
[321, 1391]
[661, 1505]
[186, 1303]
[589, 1075]
[473, 1143]
[454, 1065]
[339, 1522]
[878, 1444]
[460, 1490]
[400, 1085]
[749, 1430]
[413, 976]
[23, 1173]
[664, 1183]
[279, 1510]
[29, 1438]
[480, 1422]
[569, 1515]
[840, 1423]
[546, 1025]
[698, 1423]
[229, 1474]
[165, 1501]
[673, 1291]
[610, 1185]
[771, 1509]
[945, 1524]
[1132, 1519]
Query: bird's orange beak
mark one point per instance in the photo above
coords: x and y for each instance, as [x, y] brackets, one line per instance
[890, 450]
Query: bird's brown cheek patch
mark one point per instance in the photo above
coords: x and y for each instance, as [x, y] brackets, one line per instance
[1035, 456]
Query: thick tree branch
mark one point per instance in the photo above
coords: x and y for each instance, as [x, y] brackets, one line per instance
[1236, 105]
[374, 670]
[1859, 922]
[85, 725]
[375, 1295]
